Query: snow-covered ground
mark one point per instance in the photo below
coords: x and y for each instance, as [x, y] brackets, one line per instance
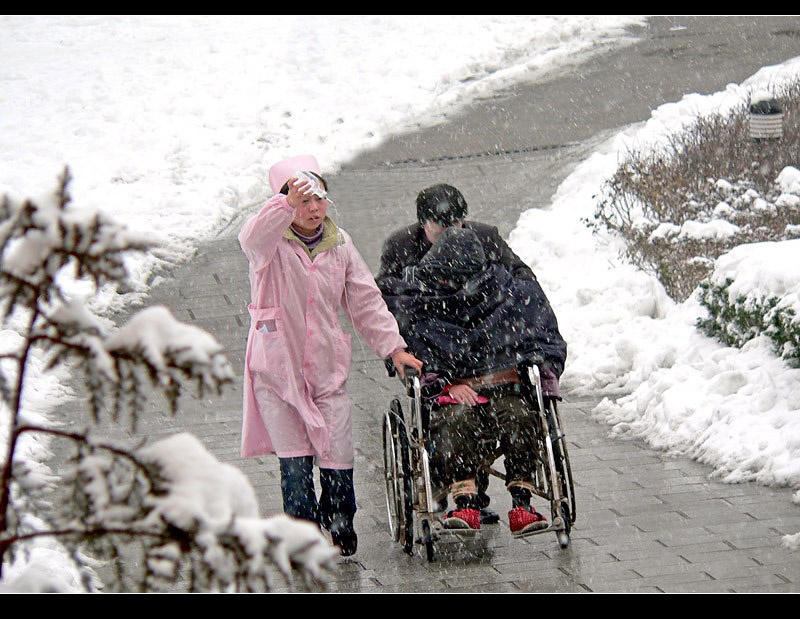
[170, 124]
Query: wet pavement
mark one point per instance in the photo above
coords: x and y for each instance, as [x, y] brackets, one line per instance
[646, 522]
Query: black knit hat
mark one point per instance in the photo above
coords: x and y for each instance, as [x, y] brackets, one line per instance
[442, 203]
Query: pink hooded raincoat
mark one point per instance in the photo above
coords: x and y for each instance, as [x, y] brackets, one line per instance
[298, 358]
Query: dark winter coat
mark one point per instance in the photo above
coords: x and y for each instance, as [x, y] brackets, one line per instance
[466, 316]
[406, 247]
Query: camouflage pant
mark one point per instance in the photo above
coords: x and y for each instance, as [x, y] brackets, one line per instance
[462, 437]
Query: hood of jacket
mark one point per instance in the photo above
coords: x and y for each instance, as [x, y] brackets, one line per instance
[456, 257]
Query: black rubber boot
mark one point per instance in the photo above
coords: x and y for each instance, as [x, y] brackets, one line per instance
[337, 507]
[297, 488]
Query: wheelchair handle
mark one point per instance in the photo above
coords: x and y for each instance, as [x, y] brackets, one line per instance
[410, 375]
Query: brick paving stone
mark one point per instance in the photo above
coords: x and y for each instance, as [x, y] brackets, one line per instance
[771, 555]
[749, 569]
[749, 587]
[765, 583]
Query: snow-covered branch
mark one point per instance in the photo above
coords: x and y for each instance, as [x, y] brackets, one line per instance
[161, 516]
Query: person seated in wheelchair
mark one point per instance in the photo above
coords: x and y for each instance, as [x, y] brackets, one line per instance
[475, 325]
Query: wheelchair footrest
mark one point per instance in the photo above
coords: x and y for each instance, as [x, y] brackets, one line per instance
[549, 529]
[438, 529]
[556, 525]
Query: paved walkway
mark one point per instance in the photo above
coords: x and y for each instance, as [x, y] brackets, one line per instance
[646, 522]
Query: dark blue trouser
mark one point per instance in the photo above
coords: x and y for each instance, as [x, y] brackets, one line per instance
[337, 502]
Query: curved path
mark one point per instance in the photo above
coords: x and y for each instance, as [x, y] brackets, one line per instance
[646, 522]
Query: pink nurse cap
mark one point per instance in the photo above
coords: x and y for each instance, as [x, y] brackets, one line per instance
[284, 170]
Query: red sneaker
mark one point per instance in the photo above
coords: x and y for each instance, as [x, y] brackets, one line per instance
[525, 519]
[466, 518]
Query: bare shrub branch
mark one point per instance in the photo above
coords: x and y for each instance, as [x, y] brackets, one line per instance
[711, 172]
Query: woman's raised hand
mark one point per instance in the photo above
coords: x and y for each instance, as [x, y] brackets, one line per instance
[299, 190]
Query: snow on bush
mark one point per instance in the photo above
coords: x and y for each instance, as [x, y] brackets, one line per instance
[752, 292]
[218, 501]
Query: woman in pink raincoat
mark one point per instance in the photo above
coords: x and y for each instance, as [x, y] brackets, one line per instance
[303, 268]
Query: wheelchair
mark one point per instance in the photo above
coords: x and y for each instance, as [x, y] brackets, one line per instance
[415, 512]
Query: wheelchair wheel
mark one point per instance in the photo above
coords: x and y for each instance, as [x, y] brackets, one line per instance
[563, 535]
[397, 475]
[565, 508]
[427, 538]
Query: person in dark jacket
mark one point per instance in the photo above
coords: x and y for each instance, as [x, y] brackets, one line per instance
[440, 207]
[468, 316]
[473, 324]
